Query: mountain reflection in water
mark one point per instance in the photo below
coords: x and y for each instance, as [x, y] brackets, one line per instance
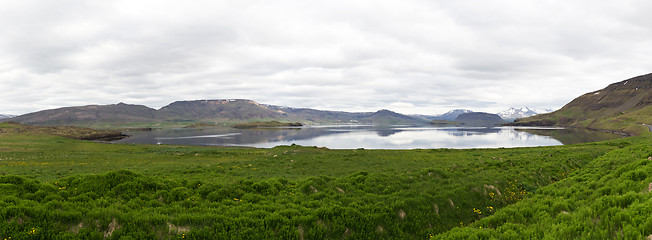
[370, 137]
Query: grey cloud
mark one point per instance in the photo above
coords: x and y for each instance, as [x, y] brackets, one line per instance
[411, 57]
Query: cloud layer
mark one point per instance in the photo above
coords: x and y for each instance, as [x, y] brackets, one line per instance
[408, 56]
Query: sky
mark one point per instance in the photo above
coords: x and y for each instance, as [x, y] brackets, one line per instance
[408, 56]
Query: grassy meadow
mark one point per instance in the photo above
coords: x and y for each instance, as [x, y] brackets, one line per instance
[610, 198]
[61, 188]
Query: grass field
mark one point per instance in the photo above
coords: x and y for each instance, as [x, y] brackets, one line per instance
[59, 188]
[610, 198]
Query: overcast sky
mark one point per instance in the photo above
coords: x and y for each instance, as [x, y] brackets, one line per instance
[408, 56]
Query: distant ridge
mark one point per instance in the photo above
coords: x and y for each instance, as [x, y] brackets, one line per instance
[452, 115]
[87, 115]
[479, 119]
[623, 106]
[220, 111]
[514, 113]
[223, 110]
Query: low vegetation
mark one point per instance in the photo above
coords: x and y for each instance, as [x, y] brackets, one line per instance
[444, 123]
[609, 198]
[266, 124]
[60, 188]
[12, 128]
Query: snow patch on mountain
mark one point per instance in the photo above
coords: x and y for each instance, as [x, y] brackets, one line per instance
[452, 115]
[514, 113]
[3, 116]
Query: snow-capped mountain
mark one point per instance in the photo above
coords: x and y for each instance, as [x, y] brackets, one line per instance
[452, 115]
[514, 113]
[3, 116]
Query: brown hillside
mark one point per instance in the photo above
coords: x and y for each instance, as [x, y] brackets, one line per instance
[88, 115]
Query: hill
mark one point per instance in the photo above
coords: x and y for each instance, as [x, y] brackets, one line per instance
[479, 119]
[381, 117]
[59, 188]
[451, 115]
[7, 128]
[387, 117]
[623, 106]
[309, 115]
[182, 113]
[423, 117]
[225, 110]
[90, 115]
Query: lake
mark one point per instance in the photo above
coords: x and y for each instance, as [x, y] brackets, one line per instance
[370, 137]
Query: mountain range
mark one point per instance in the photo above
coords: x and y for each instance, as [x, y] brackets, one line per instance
[507, 115]
[222, 111]
[513, 113]
[451, 115]
[226, 111]
[624, 106]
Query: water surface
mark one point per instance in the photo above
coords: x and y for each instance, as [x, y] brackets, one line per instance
[370, 137]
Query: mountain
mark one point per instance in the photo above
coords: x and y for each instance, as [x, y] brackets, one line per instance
[513, 113]
[479, 119]
[224, 111]
[309, 115]
[3, 116]
[623, 106]
[423, 117]
[381, 117]
[90, 115]
[387, 117]
[452, 115]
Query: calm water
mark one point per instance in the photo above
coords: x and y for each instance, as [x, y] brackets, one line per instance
[370, 137]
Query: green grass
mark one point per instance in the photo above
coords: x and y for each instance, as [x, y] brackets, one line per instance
[267, 124]
[609, 198]
[60, 188]
[438, 122]
[136, 125]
